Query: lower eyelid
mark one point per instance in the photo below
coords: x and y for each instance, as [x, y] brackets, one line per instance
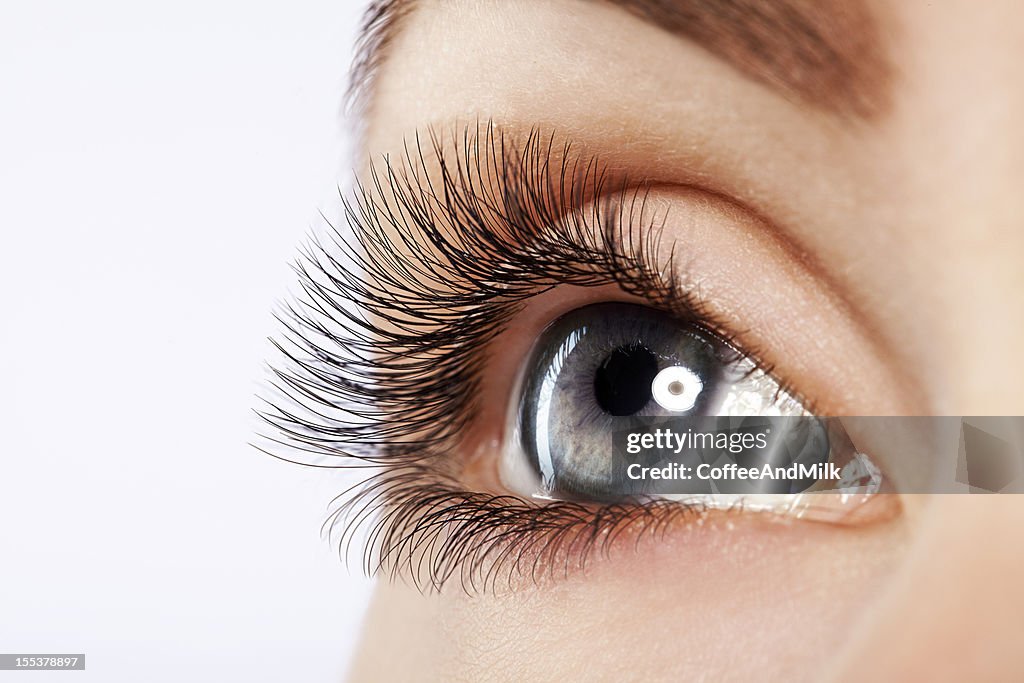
[484, 543]
[829, 508]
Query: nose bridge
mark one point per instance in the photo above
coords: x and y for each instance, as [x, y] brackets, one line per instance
[959, 125]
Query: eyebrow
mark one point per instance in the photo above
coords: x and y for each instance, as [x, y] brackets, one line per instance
[825, 54]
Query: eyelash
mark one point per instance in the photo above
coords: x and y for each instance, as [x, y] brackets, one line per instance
[382, 351]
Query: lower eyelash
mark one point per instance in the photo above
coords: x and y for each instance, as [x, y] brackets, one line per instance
[381, 353]
[430, 533]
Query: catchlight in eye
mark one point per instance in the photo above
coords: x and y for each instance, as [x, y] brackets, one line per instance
[676, 388]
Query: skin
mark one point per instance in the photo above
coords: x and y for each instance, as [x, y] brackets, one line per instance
[887, 255]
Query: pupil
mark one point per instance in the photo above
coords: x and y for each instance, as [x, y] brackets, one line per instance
[622, 384]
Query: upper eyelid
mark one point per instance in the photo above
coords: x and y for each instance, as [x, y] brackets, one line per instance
[390, 322]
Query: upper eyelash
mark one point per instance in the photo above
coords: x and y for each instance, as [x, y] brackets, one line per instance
[381, 353]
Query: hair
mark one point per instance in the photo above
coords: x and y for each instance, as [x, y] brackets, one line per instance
[376, 31]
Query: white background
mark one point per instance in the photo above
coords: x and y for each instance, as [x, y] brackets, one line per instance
[159, 164]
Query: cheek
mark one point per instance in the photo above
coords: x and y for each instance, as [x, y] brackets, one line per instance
[756, 601]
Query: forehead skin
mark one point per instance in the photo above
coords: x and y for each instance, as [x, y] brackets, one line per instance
[827, 55]
[915, 217]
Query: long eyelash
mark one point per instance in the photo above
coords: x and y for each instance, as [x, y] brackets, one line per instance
[430, 533]
[382, 352]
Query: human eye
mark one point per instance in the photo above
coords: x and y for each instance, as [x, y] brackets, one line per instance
[623, 368]
[611, 366]
[496, 307]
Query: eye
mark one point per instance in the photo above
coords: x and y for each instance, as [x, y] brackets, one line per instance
[405, 363]
[605, 368]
